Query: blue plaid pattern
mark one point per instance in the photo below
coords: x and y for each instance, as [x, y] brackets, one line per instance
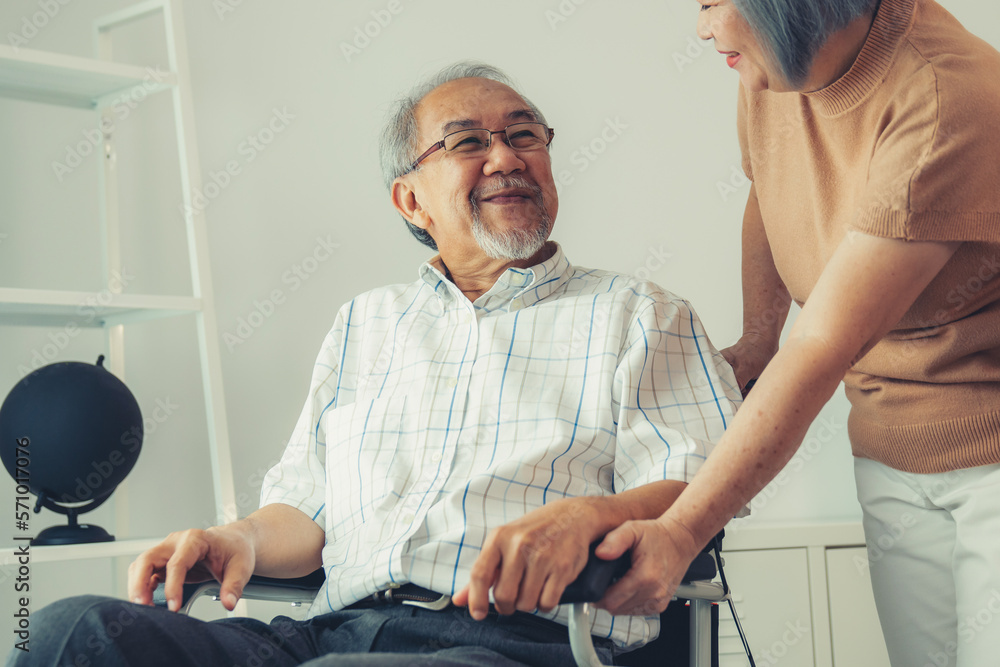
[432, 420]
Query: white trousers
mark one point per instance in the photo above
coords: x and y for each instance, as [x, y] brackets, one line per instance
[934, 554]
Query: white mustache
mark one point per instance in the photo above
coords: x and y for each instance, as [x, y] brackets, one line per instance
[502, 183]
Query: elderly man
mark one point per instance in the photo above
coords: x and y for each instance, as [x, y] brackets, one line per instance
[464, 439]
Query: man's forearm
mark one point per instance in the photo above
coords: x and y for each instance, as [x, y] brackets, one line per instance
[287, 543]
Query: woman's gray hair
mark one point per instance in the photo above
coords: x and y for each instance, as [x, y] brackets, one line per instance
[398, 144]
[793, 31]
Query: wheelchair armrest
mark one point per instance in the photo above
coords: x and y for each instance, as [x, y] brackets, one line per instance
[273, 589]
[598, 575]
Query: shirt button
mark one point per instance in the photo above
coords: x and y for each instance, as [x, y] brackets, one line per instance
[452, 383]
[435, 457]
[515, 304]
[407, 518]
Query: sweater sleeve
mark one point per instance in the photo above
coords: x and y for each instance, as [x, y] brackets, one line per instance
[935, 168]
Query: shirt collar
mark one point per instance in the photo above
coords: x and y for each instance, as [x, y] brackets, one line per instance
[515, 288]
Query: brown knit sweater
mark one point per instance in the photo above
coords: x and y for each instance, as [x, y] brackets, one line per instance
[905, 145]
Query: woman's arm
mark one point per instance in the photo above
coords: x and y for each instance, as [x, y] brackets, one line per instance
[765, 300]
[868, 285]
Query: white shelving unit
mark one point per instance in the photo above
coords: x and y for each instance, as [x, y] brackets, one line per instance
[96, 84]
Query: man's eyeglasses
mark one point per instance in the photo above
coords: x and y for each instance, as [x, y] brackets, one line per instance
[470, 143]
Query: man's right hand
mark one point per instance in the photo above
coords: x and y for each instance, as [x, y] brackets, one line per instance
[225, 553]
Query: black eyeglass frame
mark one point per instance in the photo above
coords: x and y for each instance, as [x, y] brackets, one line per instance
[550, 132]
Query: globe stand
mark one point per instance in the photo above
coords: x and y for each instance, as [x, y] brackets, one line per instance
[72, 533]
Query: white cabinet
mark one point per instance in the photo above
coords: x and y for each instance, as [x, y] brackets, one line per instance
[773, 605]
[803, 595]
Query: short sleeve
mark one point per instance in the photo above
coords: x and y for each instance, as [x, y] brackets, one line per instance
[935, 169]
[675, 395]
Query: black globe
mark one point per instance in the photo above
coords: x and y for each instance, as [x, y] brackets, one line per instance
[79, 431]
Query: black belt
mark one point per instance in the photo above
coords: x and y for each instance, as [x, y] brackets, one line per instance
[408, 594]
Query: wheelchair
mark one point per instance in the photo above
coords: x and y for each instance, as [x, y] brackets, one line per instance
[694, 611]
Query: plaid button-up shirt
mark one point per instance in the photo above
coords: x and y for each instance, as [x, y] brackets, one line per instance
[431, 420]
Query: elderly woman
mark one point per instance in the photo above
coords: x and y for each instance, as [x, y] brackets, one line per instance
[871, 133]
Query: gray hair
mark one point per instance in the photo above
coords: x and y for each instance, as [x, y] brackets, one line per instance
[793, 31]
[398, 144]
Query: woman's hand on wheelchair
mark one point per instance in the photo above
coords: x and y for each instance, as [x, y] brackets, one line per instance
[662, 550]
[225, 553]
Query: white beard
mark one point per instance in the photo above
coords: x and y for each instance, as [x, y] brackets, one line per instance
[516, 243]
[513, 244]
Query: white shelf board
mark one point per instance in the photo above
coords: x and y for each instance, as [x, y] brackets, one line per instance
[65, 552]
[54, 78]
[53, 308]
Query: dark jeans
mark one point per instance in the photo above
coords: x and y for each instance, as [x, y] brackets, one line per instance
[88, 631]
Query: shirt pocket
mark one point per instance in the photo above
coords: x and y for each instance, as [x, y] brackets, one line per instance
[369, 460]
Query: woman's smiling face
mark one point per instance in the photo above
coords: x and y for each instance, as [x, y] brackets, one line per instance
[720, 21]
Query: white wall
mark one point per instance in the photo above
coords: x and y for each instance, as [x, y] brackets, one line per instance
[655, 197]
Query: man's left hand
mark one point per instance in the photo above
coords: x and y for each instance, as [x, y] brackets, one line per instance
[530, 561]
